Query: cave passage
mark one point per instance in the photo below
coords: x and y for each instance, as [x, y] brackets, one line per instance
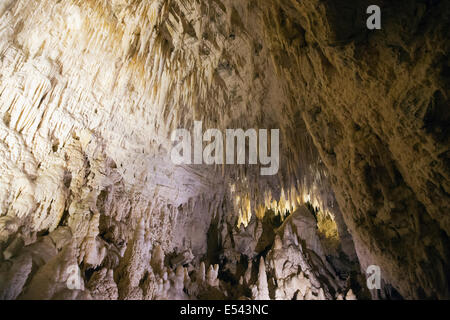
[224, 150]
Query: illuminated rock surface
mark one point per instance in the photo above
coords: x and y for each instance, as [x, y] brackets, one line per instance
[90, 92]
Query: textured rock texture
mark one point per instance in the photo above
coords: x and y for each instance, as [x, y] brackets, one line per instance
[376, 106]
[92, 207]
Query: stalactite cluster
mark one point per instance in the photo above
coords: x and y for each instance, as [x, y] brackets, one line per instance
[91, 206]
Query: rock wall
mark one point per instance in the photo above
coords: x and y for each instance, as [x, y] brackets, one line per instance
[376, 106]
[91, 90]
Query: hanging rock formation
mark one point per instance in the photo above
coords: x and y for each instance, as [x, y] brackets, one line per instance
[91, 206]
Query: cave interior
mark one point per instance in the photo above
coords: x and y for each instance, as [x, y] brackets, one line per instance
[92, 205]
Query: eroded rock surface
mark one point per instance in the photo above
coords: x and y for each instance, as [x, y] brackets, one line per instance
[91, 207]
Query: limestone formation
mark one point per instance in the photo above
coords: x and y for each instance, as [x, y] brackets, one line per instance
[92, 207]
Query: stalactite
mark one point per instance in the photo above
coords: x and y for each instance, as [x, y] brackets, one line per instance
[90, 92]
